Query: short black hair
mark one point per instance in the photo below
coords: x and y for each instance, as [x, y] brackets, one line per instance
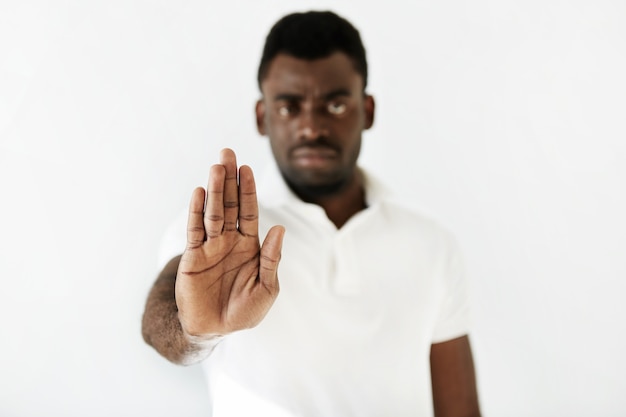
[313, 35]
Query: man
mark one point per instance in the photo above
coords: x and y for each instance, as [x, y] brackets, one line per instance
[372, 314]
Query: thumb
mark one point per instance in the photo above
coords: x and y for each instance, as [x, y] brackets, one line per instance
[270, 257]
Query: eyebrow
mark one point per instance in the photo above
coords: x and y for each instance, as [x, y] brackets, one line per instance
[339, 92]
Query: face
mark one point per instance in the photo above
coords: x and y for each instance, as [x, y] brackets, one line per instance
[314, 113]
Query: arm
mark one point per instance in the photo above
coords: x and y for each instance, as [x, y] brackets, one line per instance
[161, 328]
[453, 379]
[225, 280]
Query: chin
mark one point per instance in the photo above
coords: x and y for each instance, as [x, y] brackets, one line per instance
[317, 189]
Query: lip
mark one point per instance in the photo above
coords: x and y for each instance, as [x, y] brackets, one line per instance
[312, 156]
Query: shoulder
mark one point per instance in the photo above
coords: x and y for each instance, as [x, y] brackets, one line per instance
[403, 219]
[415, 221]
[173, 240]
[397, 209]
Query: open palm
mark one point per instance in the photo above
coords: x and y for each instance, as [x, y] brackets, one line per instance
[226, 280]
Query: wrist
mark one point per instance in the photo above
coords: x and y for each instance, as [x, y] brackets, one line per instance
[198, 347]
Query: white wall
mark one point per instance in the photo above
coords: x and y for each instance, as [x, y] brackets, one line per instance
[503, 118]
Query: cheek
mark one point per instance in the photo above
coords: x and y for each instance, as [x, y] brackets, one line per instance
[279, 128]
[349, 127]
[279, 133]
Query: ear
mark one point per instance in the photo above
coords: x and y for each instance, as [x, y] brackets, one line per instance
[369, 106]
[260, 117]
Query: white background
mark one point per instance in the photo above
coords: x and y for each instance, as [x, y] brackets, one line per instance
[505, 119]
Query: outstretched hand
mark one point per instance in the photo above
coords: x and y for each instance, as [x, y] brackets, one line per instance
[226, 281]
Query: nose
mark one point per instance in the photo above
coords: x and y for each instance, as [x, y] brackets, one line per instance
[311, 125]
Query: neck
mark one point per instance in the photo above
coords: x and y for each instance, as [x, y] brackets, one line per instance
[343, 204]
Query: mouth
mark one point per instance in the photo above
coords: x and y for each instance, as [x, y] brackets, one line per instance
[313, 156]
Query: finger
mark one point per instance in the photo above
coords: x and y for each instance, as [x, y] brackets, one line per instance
[231, 198]
[195, 226]
[270, 257]
[248, 205]
[214, 212]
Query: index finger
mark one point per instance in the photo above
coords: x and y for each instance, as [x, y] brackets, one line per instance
[248, 205]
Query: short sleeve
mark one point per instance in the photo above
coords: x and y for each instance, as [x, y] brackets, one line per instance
[174, 240]
[454, 314]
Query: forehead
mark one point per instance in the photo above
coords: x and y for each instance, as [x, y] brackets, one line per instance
[294, 75]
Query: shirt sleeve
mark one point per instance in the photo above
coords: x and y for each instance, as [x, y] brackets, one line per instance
[174, 240]
[454, 315]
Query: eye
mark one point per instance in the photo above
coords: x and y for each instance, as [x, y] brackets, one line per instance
[287, 109]
[336, 108]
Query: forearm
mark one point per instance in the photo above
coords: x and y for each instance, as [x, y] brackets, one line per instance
[161, 327]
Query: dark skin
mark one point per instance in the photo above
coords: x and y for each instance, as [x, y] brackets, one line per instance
[314, 113]
[453, 379]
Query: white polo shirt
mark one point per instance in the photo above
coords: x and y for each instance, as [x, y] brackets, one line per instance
[359, 307]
